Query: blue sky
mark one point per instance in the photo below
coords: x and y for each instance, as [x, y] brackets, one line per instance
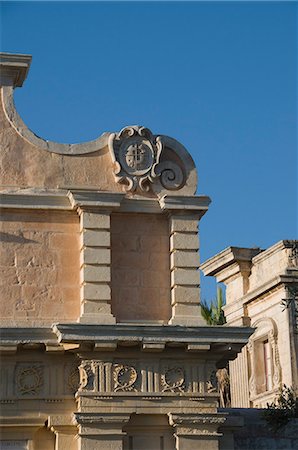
[218, 76]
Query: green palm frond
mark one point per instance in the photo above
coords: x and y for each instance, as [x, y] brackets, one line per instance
[213, 312]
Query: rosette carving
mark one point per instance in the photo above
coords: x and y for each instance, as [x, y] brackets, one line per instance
[29, 379]
[173, 380]
[144, 162]
[125, 378]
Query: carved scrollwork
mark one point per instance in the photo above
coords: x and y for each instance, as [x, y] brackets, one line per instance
[86, 377]
[139, 162]
[293, 256]
[72, 377]
[29, 379]
[173, 380]
[125, 378]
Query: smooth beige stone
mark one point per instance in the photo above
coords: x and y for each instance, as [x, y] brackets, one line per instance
[93, 291]
[94, 221]
[185, 277]
[97, 318]
[183, 224]
[96, 238]
[140, 267]
[96, 307]
[180, 258]
[95, 274]
[185, 294]
[95, 255]
[183, 241]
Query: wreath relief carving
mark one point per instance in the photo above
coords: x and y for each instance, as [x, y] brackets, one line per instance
[125, 378]
[173, 380]
[29, 379]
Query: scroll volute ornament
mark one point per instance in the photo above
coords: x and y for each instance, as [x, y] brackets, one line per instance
[138, 158]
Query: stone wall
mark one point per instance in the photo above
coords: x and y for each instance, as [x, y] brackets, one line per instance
[39, 263]
[140, 267]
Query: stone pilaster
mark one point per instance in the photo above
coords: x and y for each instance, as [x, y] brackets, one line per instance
[199, 431]
[95, 271]
[185, 277]
[65, 432]
[95, 210]
[99, 431]
[184, 214]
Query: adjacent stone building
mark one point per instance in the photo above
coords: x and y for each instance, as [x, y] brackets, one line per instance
[262, 292]
[102, 341]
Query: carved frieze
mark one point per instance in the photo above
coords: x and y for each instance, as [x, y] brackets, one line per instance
[125, 378]
[141, 162]
[87, 375]
[29, 378]
[173, 380]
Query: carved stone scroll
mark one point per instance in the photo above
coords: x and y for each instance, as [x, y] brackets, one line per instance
[144, 162]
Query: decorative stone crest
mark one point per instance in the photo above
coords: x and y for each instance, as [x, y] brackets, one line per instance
[124, 378]
[293, 257]
[29, 379]
[138, 162]
[173, 380]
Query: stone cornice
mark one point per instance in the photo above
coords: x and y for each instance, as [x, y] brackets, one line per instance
[34, 199]
[95, 200]
[288, 277]
[169, 334]
[30, 338]
[281, 245]
[196, 204]
[14, 69]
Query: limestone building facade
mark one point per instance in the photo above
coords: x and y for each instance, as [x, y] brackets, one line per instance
[262, 292]
[102, 341]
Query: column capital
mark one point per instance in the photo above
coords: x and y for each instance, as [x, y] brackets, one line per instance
[84, 200]
[101, 424]
[193, 205]
[196, 424]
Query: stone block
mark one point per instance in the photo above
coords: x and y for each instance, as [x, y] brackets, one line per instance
[95, 221]
[183, 224]
[95, 274]
[185, 294]
[96, 238]
[92, 291]
[185, 277]
[91, 255]
[96, 307]
[182, 258]
[184, 241]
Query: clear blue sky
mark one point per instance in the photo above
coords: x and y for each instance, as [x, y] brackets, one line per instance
[219, 77]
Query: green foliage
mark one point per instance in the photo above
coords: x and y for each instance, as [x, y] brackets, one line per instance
[213, 313]
[278, 414]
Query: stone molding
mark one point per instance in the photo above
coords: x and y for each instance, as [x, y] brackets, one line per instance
[14, 69]
[197, 205]
[101, 424]
[197, 424]
[34, 199]
[229, 262]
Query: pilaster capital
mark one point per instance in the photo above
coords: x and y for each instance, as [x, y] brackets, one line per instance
[195, 206]
[61, 424]
[196, 424]
[94, 201]
[91, 424]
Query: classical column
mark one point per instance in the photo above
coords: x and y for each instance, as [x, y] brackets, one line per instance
[65, 432]
[197, 431]
[95, 209]
[99, 431]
